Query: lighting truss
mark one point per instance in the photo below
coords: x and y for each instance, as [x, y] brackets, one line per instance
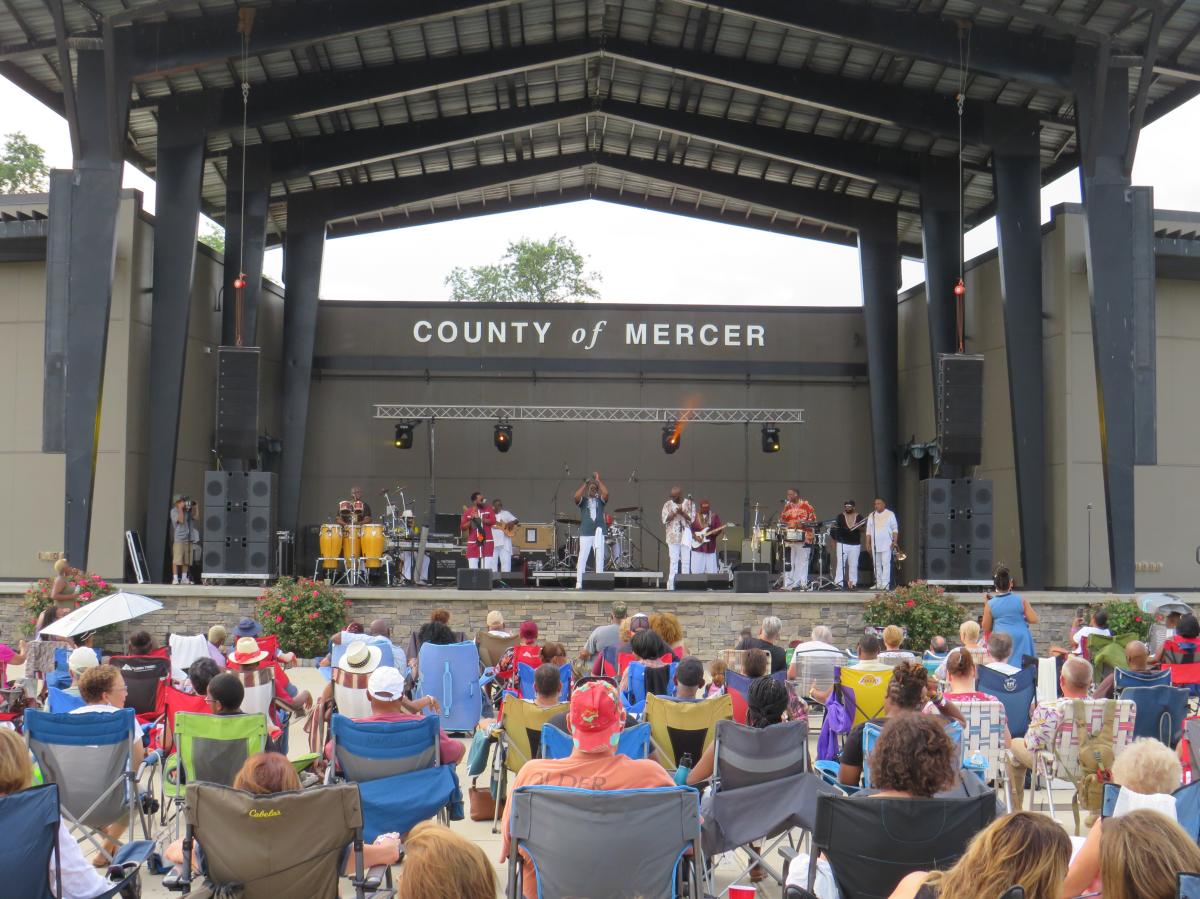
[592, 413]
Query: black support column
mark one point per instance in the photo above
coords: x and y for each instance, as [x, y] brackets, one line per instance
[177, 180]
[247, 257]
[879, 260]
[1016, 164]
[940, 240]
[304, 245]
[1103, 104]
[88, 234]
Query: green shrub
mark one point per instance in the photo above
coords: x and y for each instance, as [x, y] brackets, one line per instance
[87, 587]
[302, 613]
[1124, 617]
[923, 610]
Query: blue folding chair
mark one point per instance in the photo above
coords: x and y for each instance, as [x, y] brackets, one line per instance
[29, 820]
[1187, 806]
[633, 743]
[1015, 691]
[387, 654]
[398, 768]
[1125, 679]
[1160, 712]
[61, 702]
[525, 675]
[450, 674]
[60, 677]
[871, 733]
[1189, 886]
[634, 697]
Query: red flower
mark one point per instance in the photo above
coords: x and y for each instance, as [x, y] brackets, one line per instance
[278, 619]
[315, 594]
[910, 603]
[85, 595]
[314, 615]
[1138, 620]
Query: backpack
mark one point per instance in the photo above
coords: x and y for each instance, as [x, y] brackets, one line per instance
[1095, 756]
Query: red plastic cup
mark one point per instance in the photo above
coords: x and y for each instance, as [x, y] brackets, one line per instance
[743, 891]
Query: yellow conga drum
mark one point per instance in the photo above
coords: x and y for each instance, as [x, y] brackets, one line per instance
[372, 545]
[331, 545]
[351, 543]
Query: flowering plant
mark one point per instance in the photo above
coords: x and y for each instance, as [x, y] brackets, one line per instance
[302, 613]
[923, 610]
[1124, 617]
[87, 587]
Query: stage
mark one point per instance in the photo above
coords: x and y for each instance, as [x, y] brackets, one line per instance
[712, 620]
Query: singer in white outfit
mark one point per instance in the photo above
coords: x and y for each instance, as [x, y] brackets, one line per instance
[591, 498]
[677, 516]
[883, 533]
[502, 557]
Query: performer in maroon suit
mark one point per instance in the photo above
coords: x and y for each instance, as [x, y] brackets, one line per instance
[476, 524]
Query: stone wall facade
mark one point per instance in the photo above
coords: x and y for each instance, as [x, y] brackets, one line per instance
[711, 621]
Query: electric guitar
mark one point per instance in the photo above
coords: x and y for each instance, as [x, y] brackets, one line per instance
[510, 529]
[699, 538]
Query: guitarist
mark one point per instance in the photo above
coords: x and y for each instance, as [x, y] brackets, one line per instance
[502, 534]
[476, 525]
[704, 528]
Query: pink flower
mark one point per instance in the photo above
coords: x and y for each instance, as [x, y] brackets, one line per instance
[278, 619]
[295, 599]
[314, 615]
[910, 603]
[102, 584]
[316, 594]
[85, 595]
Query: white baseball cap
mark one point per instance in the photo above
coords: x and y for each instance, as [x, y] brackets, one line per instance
[385, 683]
[82, 659]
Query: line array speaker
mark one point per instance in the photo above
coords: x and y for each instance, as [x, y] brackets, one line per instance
[237, 406]
[960, 408]
[956, 531]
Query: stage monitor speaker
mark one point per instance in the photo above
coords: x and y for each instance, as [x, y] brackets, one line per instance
[691, 582]
[260, 489]
[752, 582]
[599, 580]
[514, 578]
[935, 496]
[960, 408]
[474, 579]
[237, 406]
[720, 582]
[225, 486]
[935, 563]
[755, 566]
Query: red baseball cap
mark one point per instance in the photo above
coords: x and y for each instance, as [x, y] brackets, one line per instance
[595, 718]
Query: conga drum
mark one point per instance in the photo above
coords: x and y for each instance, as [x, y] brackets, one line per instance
[331, 545]
[351, 543]
[372, 545]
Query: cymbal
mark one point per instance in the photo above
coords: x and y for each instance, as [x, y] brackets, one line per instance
[562, 519]
[625, 509]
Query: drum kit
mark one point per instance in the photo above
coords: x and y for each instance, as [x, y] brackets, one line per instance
[622, 541]
[768, 542]
[351, 550]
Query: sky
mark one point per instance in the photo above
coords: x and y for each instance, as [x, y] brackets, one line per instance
[641, 256]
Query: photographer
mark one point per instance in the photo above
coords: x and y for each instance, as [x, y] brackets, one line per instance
[183, 514]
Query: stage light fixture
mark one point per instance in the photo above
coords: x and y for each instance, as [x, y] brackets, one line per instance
[404, 435]
[502, 437]
[670, 437]
[770, 439]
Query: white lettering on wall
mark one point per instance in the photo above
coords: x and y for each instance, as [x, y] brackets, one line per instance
[708, 335]
[755, 335]
[542, 329]
[733, 335]
[497, 331]
[447, 332]
[478, 334]
[589, 337]
[520, 327]
[683, 335]
[423, 332]
[634, 334]
[662, 334]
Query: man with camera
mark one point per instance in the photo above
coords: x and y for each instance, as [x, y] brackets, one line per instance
[183, 513]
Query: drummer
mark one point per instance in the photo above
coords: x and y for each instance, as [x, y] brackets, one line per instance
[346, 510]
[796, 513]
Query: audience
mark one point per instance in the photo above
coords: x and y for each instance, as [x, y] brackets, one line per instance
[606, 662]
[547, 686]
[440, 864]
[1097, 627]
[1182, 648]
[79, 661]
[893, 638]
[495, 624]
[200, 674]
[667, 626]
[869, 647]
[605, 635]
[649, 649]
[1074, 681]
[716, 678]
[969, 634]
[247, 656]
[1142, 854]
[1000, 647]
[689, 679]
[756, 663]
[960, 676]
[217, 635]
[79, 879]
[1137, 658]
[140, 644]
[225, 694]
[766, 703]
[818, 647]
[381, 629]
[1148, 773]
[938, 647]
[554, 654]
[10, 656]
[595, 722]
[767, 639]
[1023, 849]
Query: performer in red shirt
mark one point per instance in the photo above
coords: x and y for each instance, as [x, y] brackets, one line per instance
[796, 513]
[706, 526]
[476, 523]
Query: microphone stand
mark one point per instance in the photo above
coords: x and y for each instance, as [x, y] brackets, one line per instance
[1089, 585]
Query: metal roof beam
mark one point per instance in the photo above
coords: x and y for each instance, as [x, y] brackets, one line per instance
[182, 44]
[1044, 62]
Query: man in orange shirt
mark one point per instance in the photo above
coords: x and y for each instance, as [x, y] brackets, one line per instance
[796, 513]
[595, 722]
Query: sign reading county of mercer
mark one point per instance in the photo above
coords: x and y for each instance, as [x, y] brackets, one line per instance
[599, 333]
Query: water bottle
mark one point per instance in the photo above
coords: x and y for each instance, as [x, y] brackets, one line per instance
[977, 760]
[684, 769]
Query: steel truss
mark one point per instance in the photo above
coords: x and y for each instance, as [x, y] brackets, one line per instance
[590, 413]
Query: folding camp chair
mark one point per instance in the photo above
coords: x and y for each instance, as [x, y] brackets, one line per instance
[90, 757]
[259, 698]
[1016, 693]
[398, 768]
[760, 787]
[250, 842]
[29, 821]
[642, 682]
[183, 651]
[387, 653]
[1047, 682]
[1063, 759]
[450, 673]
[60, 701]
[350, 693]
[737, 687]
[899, 836]
[1187, 806]
[211, 748]
[1160, 712]
[520, 736]
[816, 665]
[525, 678]
[1107, 653]
[1189, 886]
[870, 690]
[983, 737]
[492, 648]
[1124, 678]
[633, 743]
[684, 727]
[644, 850]
[145, 676]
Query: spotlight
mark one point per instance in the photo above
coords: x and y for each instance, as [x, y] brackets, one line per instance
[404, 435]
[502, 438]
[670, 437]
[770, 439]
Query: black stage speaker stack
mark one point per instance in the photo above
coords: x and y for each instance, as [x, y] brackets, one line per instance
[751, 582]
[239, 525]
[474, 579]
[237, 407]
[599, 580]
[691, 582]
[956, 529]
[960, 408]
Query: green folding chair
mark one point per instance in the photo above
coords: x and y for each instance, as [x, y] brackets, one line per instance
[1107, 653]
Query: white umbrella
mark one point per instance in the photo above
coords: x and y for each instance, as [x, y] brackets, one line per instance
[111, 609]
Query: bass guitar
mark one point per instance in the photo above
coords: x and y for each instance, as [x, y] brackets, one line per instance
[699, 538]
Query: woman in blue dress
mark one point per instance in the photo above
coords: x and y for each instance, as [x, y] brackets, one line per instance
[1011, 613]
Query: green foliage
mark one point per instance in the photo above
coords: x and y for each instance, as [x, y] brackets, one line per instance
[923, 610]
[23, 167]
[302, 613]
[530, 271]
[87, 587]
[213, 237]
[1124, 617]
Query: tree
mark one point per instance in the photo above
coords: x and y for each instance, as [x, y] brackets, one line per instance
[23, 167]
[531, 271]
[213, 237]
